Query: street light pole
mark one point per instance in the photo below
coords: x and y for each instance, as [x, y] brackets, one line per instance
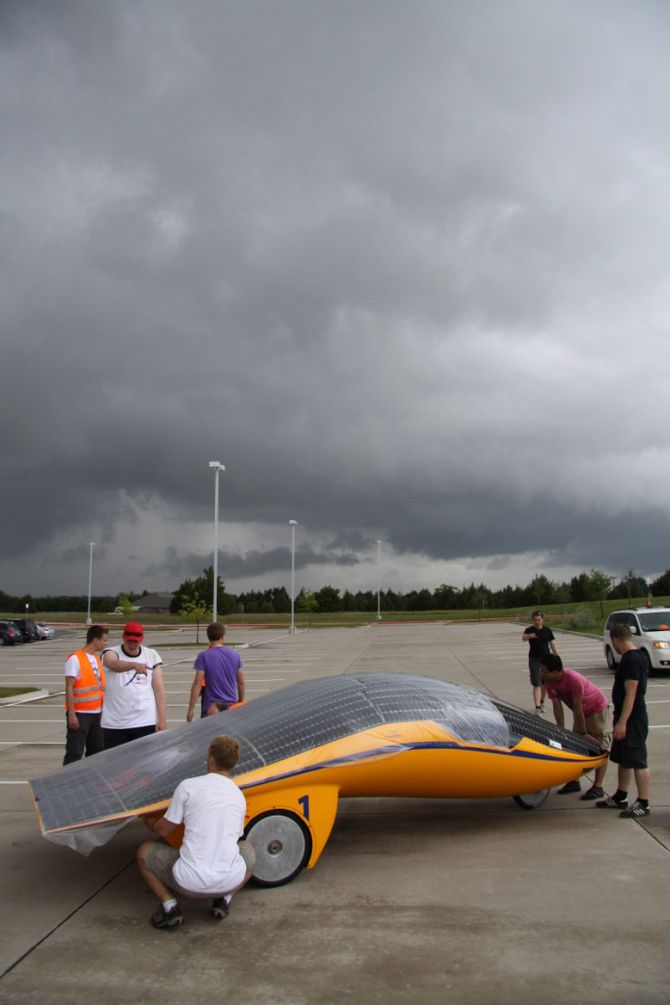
[379, 580]
[218, 467]
[91, 546]
[293, 524]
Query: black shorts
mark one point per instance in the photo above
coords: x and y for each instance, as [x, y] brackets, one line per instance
[631, 752]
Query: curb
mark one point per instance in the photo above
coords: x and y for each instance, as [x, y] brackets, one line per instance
[18, 699]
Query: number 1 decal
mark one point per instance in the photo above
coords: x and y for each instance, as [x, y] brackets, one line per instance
[304, 802]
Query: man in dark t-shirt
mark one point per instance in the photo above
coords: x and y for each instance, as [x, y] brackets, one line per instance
[631, 726]
[541, 642]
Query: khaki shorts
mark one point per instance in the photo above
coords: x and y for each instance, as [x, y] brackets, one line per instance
[161, 857]
[597, 726]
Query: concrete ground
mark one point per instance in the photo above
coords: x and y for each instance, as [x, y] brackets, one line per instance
[413, 900]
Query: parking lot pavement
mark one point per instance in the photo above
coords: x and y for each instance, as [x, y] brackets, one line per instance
[429, 900]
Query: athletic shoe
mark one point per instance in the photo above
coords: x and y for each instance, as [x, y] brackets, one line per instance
[595, 792]
[636, 810]
[542, 707]
[167, 919]
[539, 710]
[610, 803]
[573, 786]
[220, 908]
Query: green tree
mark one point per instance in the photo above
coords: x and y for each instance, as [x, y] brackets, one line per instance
[198, 612]
[199, 592]
[306, 601]
[328, 600]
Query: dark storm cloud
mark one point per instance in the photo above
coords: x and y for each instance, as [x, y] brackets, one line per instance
[401, 267]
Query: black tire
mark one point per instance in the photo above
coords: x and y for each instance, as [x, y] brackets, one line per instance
[282, 844]
[609, 656]
[531, 800]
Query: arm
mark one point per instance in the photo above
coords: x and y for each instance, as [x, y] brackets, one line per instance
[196, 688]
[160, 825]
[159, 695]
[240, 684]
[116, 665]
[558, 711]
[579, 719]
[72, 720]
[619, 730]
[554, 647]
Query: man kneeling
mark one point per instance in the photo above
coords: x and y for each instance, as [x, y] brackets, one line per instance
[211, 862]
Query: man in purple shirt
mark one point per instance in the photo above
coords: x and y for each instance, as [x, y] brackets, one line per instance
[589, 712]
[219, 671]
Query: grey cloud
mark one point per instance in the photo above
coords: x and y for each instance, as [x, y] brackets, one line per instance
[402, 268]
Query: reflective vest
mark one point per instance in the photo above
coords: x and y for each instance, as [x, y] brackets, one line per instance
[88, 689]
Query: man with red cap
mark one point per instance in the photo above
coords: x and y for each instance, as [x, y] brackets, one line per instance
[134, 697]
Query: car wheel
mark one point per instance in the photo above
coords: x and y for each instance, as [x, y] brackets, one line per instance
[531, 800]
[609, 656]
[282, 844]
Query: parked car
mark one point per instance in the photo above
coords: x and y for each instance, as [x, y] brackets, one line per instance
[651, 634]
[9, 633]
[28, 629]
[44, 631]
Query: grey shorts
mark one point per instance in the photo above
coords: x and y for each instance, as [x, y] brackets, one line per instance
[161, 857]
[534, 665]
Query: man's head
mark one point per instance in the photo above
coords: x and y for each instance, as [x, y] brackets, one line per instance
[551, 667]
[216, 631]
[133, 634]
[538, 618]
[622, 637]
[98, 634]
[223, 753]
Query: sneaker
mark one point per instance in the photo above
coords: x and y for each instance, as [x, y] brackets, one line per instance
[539, 710]
[570, 787]
[610, 803]
[595, 792]
[220, 908]
[636, 810]
[167, 919]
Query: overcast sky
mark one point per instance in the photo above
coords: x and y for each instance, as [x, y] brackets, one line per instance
[403, 267]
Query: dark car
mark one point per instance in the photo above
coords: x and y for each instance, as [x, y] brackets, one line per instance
[10, 633]
[28, 629]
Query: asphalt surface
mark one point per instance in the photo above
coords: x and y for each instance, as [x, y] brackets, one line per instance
[470, 901]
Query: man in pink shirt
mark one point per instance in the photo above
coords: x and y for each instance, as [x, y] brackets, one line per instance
[589, 712]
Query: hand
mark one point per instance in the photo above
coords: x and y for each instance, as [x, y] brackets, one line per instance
[141, 668]
[72, 720]
[531, 635]
[189, 715]
[619, 731]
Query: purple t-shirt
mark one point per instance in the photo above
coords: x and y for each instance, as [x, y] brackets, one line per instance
[220, 666]
[572, 686]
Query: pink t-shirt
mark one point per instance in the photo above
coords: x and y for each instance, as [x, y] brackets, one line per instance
[572, 686]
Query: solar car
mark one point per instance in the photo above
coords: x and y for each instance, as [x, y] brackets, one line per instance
[306, 746]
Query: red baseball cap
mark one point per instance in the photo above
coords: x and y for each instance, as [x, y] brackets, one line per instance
[134, 628]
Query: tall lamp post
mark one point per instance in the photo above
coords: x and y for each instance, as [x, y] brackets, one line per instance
[379, 580]
[218, 467]
[91, 546]
[293, 524]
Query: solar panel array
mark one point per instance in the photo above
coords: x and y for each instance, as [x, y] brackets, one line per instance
[273, 727]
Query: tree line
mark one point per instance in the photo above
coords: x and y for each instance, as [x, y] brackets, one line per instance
[194, 597]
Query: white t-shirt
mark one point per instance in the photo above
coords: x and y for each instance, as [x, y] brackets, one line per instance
[129, 696]
[72, 669]
[212, 809]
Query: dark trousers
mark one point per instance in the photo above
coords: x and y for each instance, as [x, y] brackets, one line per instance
[115, 737]
[86, 740]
